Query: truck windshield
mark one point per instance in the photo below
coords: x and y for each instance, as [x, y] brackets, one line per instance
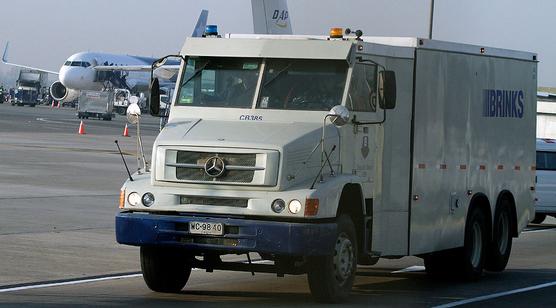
[301, 84]
[219, 82]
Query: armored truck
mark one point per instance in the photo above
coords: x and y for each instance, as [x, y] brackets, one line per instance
[319, 153]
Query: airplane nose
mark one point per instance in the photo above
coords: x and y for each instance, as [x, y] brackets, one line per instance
[72, 77]
[65, 76]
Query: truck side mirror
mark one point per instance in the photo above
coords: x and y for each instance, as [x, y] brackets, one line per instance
[387, 89]
[155, 98]
[339, 115]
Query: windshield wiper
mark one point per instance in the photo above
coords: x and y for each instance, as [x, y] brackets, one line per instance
[196, 73]
[277, 75]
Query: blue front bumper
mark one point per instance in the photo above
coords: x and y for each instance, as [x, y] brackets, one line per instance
[241, 235]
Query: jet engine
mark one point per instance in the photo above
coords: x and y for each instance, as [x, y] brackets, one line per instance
[60, 93]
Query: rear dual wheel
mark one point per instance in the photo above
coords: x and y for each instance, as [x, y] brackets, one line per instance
[468, 261]
[501, 245]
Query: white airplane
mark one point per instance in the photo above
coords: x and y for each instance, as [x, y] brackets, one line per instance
[96, 70]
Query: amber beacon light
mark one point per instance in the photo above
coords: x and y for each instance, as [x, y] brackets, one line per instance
[336, 33]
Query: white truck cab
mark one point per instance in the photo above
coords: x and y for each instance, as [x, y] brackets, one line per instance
[545, 204]
[321, 153]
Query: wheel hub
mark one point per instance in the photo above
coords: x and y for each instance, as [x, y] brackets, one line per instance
[503, 230]
[343, 258]
[476, 251]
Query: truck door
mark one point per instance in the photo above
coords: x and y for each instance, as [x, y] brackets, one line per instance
[362, 138]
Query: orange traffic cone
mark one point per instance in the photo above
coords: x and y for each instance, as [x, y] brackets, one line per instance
[59, 103]
[81, 129]
[126, 132]
[52, 105]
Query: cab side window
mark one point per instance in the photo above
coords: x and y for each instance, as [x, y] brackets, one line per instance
[362, 94]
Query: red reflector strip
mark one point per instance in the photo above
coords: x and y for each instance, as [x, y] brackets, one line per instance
[421, 166]
[500, 167]
[462, 167]
[443, 166]
[517, 168]
[482, 167]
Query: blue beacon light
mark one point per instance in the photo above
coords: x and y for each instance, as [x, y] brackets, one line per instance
[211, 30]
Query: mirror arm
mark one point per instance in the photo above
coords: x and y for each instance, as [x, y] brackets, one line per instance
[355, 122]
[360, 59]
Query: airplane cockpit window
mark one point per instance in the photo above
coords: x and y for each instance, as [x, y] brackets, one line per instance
[76, 63]
[67, 63]
[219, 82]
[85, 64]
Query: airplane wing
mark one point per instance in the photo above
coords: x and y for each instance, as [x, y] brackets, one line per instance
[131, 68]
[5, 61]
[168, 69]
[164, 72]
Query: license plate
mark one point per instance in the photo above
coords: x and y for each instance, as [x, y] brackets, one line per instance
[209, 228]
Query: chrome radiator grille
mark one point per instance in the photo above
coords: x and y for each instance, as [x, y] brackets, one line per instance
[239, 168]
[200, 165]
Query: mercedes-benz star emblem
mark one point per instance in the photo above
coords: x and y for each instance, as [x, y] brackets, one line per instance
[214, 167]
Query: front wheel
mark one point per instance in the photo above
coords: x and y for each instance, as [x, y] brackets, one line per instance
[165, 270]
[501, 245]
[331, 277]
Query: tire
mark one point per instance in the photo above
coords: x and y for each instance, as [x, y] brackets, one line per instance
[500, 247]
[165, 270]
[438, 263]
[331, 277]
[539, 218]
[471, 257]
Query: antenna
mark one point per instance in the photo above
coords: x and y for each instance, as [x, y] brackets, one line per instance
[125, 164]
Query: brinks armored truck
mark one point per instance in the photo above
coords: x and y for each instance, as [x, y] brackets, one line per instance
[316, 154]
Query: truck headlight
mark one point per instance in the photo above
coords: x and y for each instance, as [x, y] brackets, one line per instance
[133, 198]
[278, 205]
[294, 206]
[148, 199]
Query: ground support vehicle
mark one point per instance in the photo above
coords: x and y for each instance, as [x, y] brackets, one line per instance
[121, 100]
[25, 96]
[95, 104]
[429, 152]
[28, 87]
[545, 202]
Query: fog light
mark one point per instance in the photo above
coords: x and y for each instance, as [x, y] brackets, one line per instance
[148, 199]
[294, 206]
[134, 199]
[278, 205]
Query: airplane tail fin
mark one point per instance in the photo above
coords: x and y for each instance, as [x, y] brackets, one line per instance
[271, 17]
[201, 24]
[5, 55]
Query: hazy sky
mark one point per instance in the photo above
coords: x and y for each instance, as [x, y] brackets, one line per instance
[43, 33]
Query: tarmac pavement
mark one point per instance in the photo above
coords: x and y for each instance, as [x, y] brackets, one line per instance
[58, 196]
